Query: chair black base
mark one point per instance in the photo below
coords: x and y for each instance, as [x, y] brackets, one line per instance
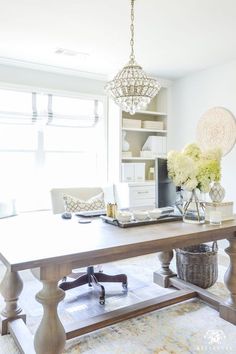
[93, 279]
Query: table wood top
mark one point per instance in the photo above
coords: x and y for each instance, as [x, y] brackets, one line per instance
[36, 239]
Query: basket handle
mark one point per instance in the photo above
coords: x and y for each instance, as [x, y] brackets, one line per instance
[214, 246]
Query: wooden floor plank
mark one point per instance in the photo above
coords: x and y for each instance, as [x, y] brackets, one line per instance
[81, 327]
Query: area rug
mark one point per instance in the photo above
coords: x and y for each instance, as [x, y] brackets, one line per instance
[189, 327]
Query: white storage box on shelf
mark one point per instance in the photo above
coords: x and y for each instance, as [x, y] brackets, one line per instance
[127, 172]
[156, 144]
[147, 154]
[126, 153]
[133, 172]
[131, 123]
[153, 125]
[139, 172]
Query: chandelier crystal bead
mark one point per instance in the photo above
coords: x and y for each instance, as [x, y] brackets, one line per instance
[131, 88]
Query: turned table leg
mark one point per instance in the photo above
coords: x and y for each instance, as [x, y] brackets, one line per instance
[228, 308]
[50, 336]
[11, 288]
[161, 277]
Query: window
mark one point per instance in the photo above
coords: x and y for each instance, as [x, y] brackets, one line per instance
[49, 141]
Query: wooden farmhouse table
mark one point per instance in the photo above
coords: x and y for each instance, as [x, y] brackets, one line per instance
[51, 247]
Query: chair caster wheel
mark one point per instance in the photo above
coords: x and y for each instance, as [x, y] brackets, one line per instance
[102, 301]
[125, 286]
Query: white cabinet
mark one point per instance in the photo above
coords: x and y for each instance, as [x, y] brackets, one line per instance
[132, 195]
[142, 195]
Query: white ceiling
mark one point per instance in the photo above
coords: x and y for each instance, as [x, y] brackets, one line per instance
[173, 37]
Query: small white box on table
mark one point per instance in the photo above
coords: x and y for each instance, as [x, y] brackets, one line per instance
[225, 208]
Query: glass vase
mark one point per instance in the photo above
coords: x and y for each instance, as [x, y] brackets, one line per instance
[194, 208]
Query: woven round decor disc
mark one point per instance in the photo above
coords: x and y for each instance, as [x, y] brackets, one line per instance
[217, 128]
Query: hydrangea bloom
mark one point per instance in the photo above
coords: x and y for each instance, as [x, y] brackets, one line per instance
[193, 151]
[193, 168]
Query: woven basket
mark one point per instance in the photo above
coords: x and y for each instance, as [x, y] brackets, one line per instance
[198, 264]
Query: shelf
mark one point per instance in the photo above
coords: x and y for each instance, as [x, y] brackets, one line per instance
[144, 130]
[152, 113]
[147, 182]
[134, 131]
[141, 158]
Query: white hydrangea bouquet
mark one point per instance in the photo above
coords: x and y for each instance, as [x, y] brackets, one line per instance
[194, 169]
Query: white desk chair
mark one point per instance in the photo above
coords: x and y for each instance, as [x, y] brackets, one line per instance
[89, 277]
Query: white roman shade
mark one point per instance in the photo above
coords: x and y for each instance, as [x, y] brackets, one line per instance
[48, 109]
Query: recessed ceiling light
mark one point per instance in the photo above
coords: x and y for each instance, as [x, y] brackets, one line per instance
[70, 53]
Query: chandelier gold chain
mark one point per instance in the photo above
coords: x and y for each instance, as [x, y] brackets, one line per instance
[132, 30]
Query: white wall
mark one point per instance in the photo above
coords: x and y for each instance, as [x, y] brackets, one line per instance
[12, 75]
[191, 97]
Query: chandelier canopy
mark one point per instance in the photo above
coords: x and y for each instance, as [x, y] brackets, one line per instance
[131, 88]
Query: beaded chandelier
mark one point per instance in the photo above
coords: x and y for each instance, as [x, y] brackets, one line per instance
[131, 88]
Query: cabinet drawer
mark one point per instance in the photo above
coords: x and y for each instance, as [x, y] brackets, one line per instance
[149, 202]
[145, 192]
